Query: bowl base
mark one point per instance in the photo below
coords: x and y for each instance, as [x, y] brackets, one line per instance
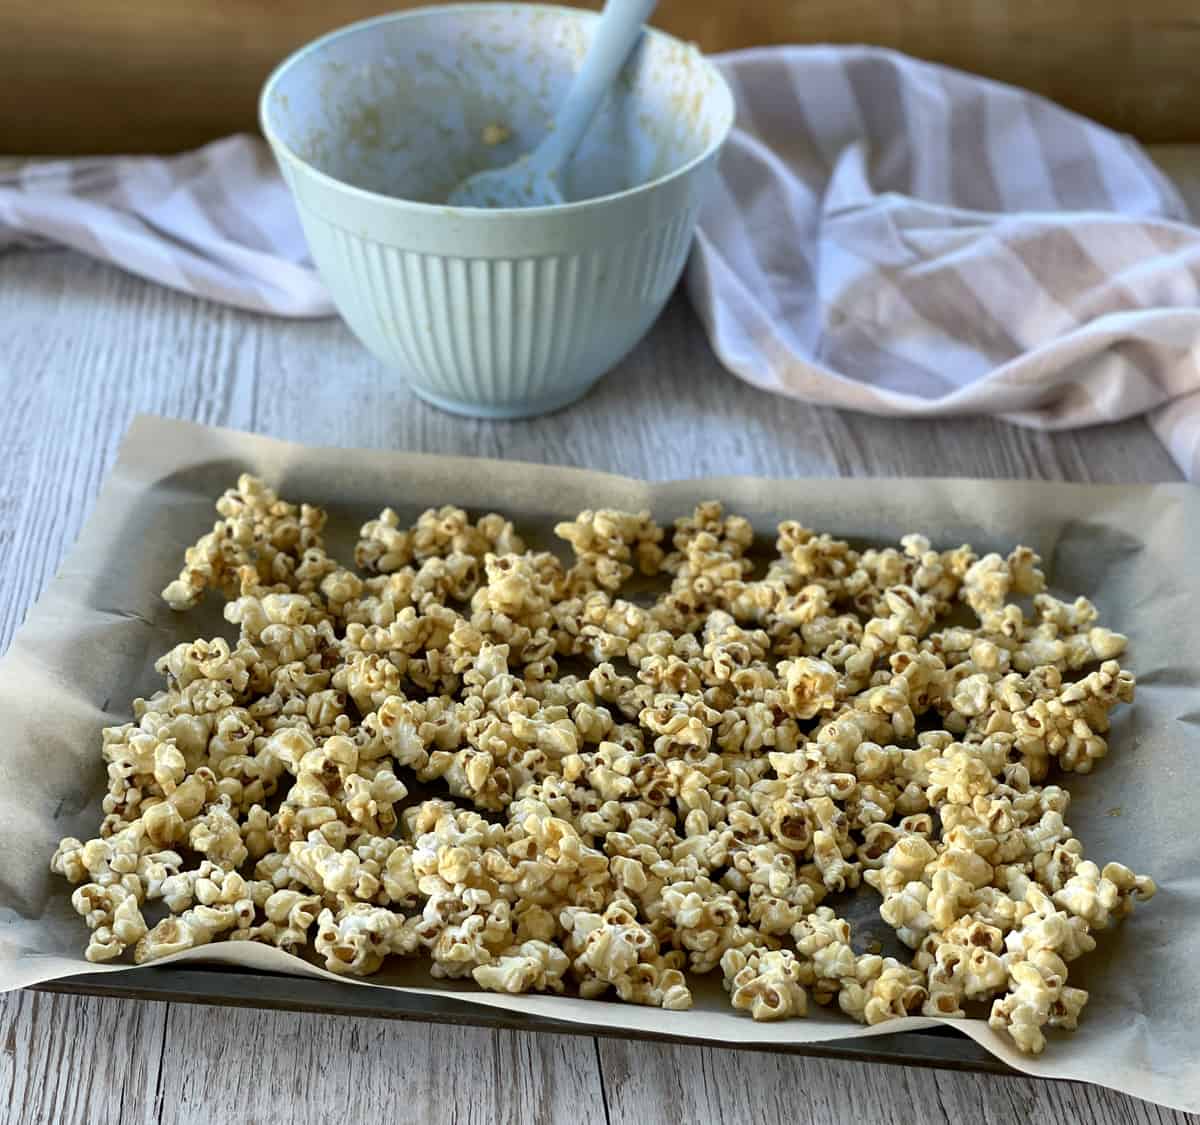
[504, 412]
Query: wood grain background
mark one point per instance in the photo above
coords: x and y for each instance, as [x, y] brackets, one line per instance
[162, 75]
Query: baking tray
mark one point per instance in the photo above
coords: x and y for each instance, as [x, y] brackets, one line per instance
[939, 1047]
[1127, 546]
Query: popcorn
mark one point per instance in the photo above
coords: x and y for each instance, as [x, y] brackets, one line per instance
[764, 982]
[962, 971]
[836, 873]
[356, 939]
[810, 686]
[257, 531]
[383, 546]
[533, 966]
[324, 869]
[612, 950]
[779, 892]
[112, 915]
[217, 835]
[1038, 997]
[292, 914]
[463, 928]
[1099, 896]
[823, 940]
[882, 989]
[601, 539]
[703, 918]
[631, 786]
[906, 910]
[196, 926]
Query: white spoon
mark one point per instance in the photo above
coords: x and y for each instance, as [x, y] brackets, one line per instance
[531, 181]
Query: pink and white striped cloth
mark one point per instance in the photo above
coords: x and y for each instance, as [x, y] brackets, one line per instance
[895, 237]
[217, 223]
[886, 235]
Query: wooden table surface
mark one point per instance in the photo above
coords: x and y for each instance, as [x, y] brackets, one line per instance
[82, 348]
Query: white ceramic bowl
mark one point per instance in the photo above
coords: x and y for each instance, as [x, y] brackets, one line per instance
[499, 314]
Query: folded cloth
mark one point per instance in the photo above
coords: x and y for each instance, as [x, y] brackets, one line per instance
[895, 237]
[886, 235]
[217, 222]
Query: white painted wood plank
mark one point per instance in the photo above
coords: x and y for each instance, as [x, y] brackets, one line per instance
[279, 1068]
[671, 1084]
[72, 1060]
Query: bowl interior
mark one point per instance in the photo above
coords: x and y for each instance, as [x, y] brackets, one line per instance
[408, 105]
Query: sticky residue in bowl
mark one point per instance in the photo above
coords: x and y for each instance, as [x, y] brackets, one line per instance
[495, 133]
[412, 108]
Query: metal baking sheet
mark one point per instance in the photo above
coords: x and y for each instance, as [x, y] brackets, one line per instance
[91, 640]
[939, 1047]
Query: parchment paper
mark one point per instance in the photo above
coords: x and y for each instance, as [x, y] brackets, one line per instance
[89, 646]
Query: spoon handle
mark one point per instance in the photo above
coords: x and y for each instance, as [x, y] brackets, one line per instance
[617, 30]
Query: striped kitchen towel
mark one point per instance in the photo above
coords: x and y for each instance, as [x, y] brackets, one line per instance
[885, 235]
[216, 223]
[895, 237]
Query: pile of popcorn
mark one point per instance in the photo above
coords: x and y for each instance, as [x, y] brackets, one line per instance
[634, 789]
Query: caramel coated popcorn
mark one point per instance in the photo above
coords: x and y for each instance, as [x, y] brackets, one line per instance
[628, 789]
